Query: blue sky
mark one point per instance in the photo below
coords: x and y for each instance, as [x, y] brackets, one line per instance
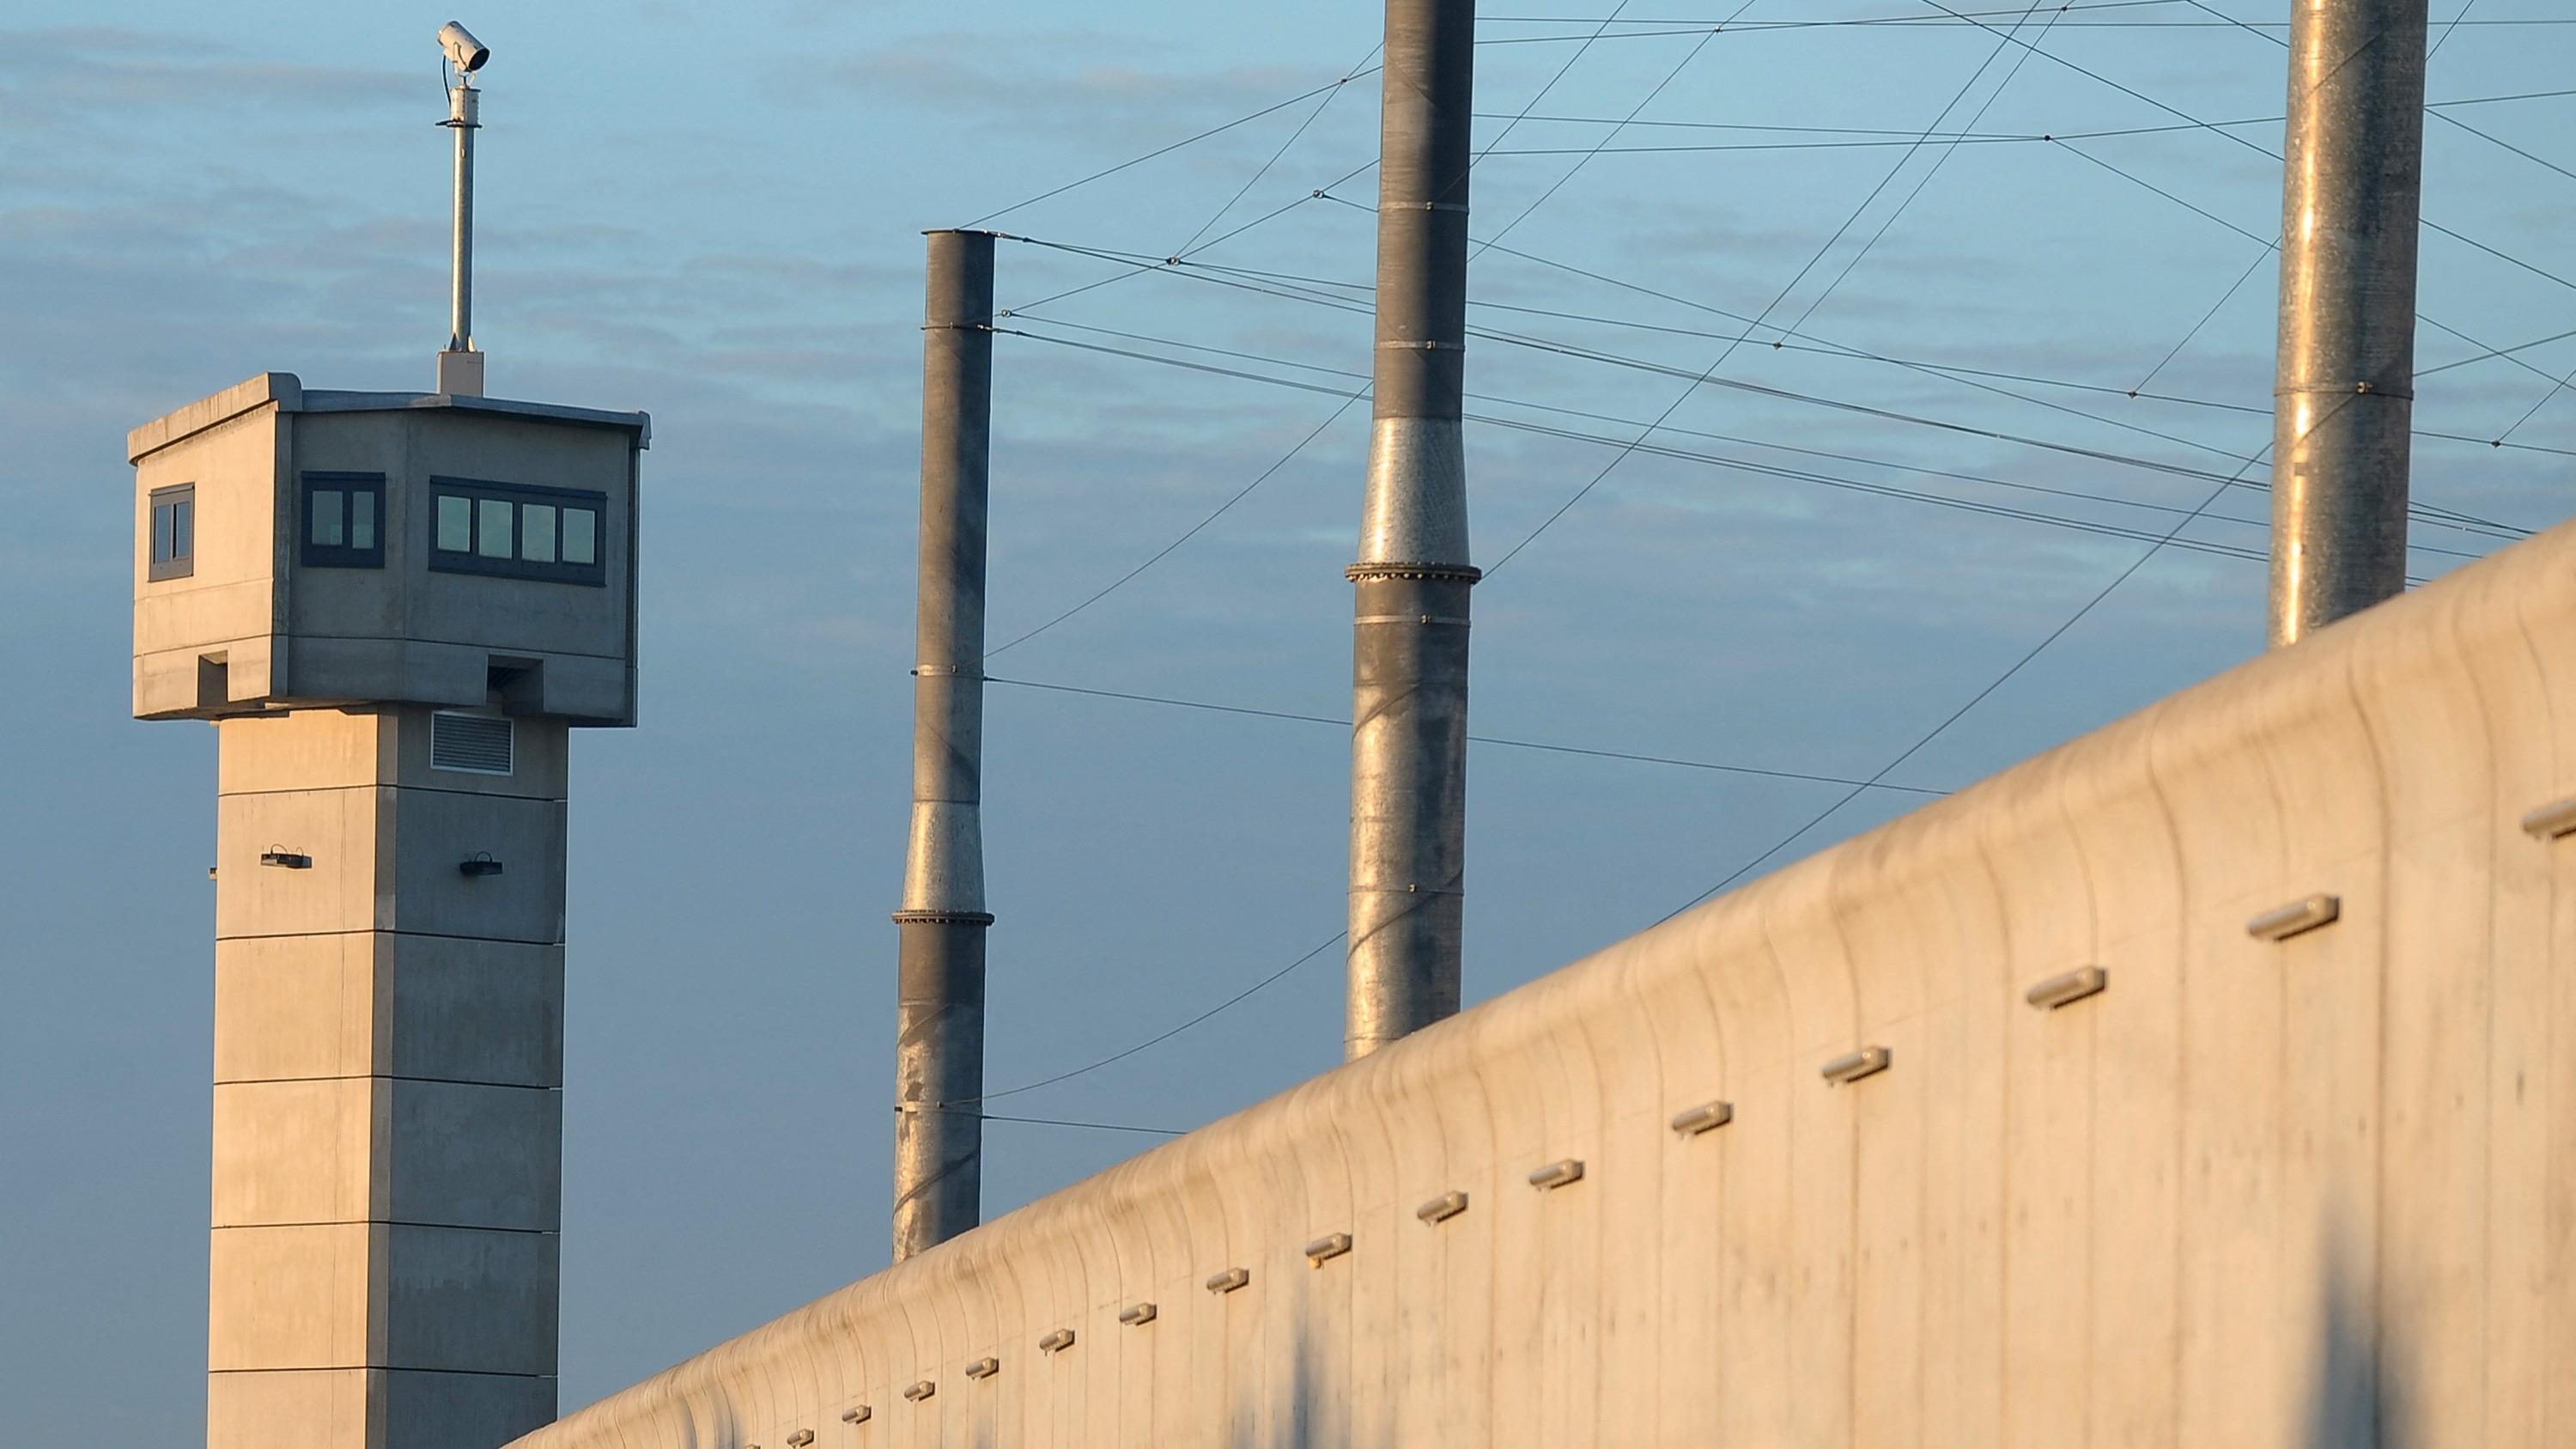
[712, 213]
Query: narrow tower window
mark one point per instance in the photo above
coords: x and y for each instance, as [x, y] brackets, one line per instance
[455, 524]
[537, 532]
[174, 532]
[340, 520]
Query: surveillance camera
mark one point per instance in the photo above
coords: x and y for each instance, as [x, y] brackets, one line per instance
[463, 51]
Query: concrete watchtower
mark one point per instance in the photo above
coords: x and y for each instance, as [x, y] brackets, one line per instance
[393, 607]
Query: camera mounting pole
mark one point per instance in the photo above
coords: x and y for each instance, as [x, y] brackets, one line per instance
[460, 367]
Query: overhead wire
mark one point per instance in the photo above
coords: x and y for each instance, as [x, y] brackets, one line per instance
[2171, 537]
[1542, 94]
[1948, 150]
[2096, 133]
[1580, 493]
[1094, 1126]
[1293, 137]
[1112, 1059]
[1193, 531]
[1673, 27]
[1817, 343]
[2423, 511]
[2272, 244]
[2268, 245]
[1746, 465]
[2493, 353]
[1980, 697]
[1330, 94]
[1857, 790]
[1522, 215]
[2256, 147]
[1338, 936]
[1918, 20]
[2246, 554]
[1934, 22]
[1586, 158]
[2429, 512]
[1284, 459]
[1158, 151]
[2557, 384]
[2195, 124]
[1337, 413]
[1542, 746]
[2438, 41]
[1364, 68]
[1330, 86]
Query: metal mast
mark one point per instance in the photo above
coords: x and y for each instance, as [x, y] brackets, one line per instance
[1409, 646]
[462, 118]
[2344, 396]
[939, 1055]
[460, 367]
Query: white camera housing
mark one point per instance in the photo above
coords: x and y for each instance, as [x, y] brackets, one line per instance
[463, 51]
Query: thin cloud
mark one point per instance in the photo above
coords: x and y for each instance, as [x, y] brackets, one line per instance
[53, 70]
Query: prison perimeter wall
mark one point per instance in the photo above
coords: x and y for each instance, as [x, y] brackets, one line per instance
[2306, 1191]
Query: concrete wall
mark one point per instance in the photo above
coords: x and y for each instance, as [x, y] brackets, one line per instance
[407, 631]
[228, 606]
[388, 1123]
[2313, 1192]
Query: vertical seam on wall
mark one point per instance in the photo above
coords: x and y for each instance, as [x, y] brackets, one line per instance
[2486, 1043]
[1726, 1083]
[2008, 1261]
[2181, 1168]
[1792, 1145]
[2088, 1030]
[2276, 1155]
[2549, 1060]
[2379, 772]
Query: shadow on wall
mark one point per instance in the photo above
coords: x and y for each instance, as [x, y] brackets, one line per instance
[2356, 1397]
[1286, 1408]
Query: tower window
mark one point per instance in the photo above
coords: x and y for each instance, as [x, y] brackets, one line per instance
[174, 532]
[344, 520]
[517, 530]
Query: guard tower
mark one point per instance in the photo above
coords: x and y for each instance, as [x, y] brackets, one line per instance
[394, 608]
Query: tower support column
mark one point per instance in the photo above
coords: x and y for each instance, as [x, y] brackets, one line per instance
[2344, 394]
[388, 1115]
[939, 1051]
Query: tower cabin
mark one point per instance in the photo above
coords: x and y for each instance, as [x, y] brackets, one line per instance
[393, 607]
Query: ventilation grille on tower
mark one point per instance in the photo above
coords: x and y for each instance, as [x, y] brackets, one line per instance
[477, 744]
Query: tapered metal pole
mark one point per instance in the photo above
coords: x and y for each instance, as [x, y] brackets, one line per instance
[2344, 396]
[1409, 647]
[939, 1056]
